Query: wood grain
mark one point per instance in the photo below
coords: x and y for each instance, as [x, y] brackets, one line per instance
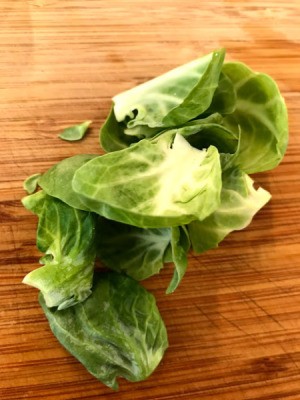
[234, 323]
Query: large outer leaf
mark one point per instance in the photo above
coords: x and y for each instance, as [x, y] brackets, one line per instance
[66, 235]
[135, 251]
[57, 181]
[260, 118]
[240, 201]
[152, 184]
[116, 332]
[174, 97]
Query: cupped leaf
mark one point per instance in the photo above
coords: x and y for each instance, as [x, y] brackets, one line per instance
[137, 252]
[152, 184]
[31, 183]
[66, 236]
[116, 332]
[240, 201]
[57, 181]
[172, 98]
[260, 117]
[75, 132]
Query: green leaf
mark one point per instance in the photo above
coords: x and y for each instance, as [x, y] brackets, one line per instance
[116, 332]
[224, 100]
[31, 183]
[260, 117]
[168, 256]
[137, 252]
[214, 135]
[141, 253]
[57, 181]
[66, 236]
[35, 202]
[240, 201]
[180, 245]
[139, 132]
[172, 98]
[153, 184]
[75, 132]
[112, 137]
[205, 132]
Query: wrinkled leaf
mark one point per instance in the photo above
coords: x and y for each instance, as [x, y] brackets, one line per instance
[116, 332]
[66, 236]
[152, 184]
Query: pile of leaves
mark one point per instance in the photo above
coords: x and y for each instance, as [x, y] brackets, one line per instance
[175, 177]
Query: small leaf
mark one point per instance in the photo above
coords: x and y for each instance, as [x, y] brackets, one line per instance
[75, 132]
[30, 184]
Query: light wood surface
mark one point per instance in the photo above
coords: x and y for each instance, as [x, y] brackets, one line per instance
[234, 322]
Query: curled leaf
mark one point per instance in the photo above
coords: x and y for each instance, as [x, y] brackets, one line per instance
[75, 132]
[31, 183]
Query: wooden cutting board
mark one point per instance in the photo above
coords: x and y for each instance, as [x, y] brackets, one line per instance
[234, 322]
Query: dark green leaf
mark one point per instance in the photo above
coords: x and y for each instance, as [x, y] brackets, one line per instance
[135, 251]
[112, 136]
[205, 132]
[116, 332]
[66, 236]
[180, 245]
